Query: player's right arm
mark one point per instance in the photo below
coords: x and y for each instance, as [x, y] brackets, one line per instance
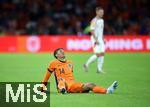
[92, 27]
[46, 77]
[49, 71]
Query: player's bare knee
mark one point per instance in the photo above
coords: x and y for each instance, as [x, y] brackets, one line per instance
[103, 54]
[90, 85]
[100, 54]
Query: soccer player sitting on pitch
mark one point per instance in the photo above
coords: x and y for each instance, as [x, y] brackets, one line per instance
[63, 71]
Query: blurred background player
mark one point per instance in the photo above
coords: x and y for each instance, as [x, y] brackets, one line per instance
[63, 71]
[97, 26]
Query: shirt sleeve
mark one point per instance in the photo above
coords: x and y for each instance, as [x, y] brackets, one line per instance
[51, 67]
[93, 24]
[49, 71]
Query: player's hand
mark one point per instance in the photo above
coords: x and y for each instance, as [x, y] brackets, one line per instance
[42, 90]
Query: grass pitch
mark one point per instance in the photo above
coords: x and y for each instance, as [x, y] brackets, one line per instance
[131, 70]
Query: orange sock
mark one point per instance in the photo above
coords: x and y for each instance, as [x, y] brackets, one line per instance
[98, 89]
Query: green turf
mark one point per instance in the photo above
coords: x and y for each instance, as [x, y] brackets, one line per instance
[131, 70]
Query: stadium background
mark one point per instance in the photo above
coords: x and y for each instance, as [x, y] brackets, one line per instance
[31, 29]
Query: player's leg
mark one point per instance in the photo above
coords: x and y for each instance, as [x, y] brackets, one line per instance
[76, 87]
[89, 61]
[92, 58]
[100, 55]
[98, 89]
[94, 88]
[85, 87]
[100, 62]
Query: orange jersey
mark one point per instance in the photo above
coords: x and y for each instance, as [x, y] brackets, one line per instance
[62, 70]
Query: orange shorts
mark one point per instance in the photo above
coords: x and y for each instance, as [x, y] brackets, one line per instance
[75, 87]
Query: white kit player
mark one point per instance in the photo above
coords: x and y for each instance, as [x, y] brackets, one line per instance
[97, 26]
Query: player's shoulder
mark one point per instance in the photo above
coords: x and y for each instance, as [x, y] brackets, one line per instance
[94, 19]
[93, 22]
[69, 61]
[54, 61]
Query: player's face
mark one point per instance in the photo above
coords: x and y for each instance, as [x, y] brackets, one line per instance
[61, 55]
[100, 13]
